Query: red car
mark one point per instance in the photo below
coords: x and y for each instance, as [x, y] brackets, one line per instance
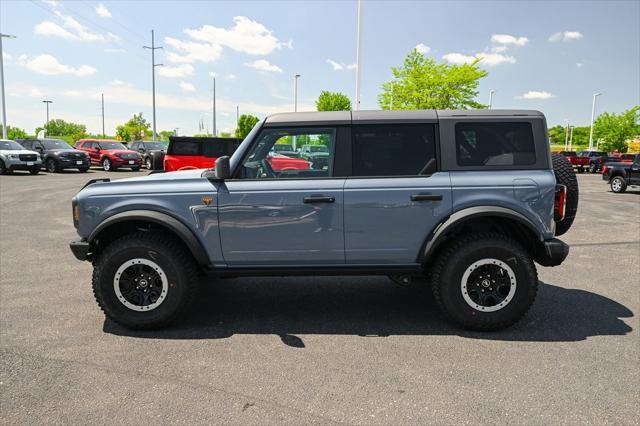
[579, 163]
[109, 154]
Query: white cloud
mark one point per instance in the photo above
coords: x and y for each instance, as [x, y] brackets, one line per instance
[102, 11]
[48, 65]
[498, 49]
[509, 39]
[189, 52]
[231, 77]
[177, 71]
[71, 29]
[458, 58]
[187, 87]
[341, 66]
[25, 90]
[486, 58]
[53, 3]
[422, 48]
[263, 65]
[579, 64]
[532, 94]
[48, 28]
[565, 36]
[116, 83]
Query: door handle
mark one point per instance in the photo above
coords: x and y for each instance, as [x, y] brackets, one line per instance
[426, 197]
[318, 199]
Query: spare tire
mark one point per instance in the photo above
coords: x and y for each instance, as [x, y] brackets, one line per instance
[567, 177]
[157, 160]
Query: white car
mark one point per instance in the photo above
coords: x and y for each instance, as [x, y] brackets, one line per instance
[13, 156]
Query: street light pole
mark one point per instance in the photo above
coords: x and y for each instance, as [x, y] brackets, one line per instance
[593, 112]
[566, 137]
[4, 105]
[153, 49]
[295, 92]
[47, 102]
[103, 134]
[571, 138]
[491, 92]
[214, 131]
[358, 55]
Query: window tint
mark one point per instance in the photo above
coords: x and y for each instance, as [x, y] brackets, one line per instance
[392, 150]
[185, 148]
[495, 144]
[219, 148]
[263, 162]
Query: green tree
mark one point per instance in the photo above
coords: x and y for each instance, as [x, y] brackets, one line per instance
[224, 134]
[245, 124]
[59, 127]
[164, 134]
[14, 133]
[333, 101]
[422, 83]
[136, 128]
[616, 129]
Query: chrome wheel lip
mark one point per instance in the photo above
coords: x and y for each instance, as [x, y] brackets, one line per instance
[475, 265]
[158, 270]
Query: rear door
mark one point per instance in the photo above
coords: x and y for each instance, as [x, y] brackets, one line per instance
[395, 195]
[293, 217]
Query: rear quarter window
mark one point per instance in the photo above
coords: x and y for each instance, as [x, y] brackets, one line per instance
[494, 144]
[185, 148]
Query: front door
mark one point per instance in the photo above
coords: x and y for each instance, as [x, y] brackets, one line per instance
[293, 216]
[634, 173]
[395, 196]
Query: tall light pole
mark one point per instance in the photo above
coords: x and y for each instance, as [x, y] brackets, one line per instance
[566, 137]
[593, 112]
[4, 105]
[103, 134]
[491, 92]
[295, 92]
[153, 49]
[214, 131]
[571, 138]
[47, 123]
[358, 55]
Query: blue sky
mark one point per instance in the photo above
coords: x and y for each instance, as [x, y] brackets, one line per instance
[543, 55]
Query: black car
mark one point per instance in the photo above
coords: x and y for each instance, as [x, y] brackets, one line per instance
[57, 155]
[152, 152]
[621, 175]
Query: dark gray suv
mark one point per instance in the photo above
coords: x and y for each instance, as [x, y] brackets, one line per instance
[468, 200]
[57, 155]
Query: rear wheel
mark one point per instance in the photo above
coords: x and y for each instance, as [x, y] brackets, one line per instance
[148, 163]
[484, 281]
[144, 281]
[618, 185]
[567, 177]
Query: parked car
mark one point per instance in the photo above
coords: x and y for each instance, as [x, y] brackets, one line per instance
[621, 175]
[317, 155]
[196, 153]
[152, 153]
[579, 163]
[470, 199]
[13, 156]
[57, 155]
[595, 159]
[110, 155]
[286, 150]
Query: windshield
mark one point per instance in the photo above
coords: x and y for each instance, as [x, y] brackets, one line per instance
[155, 145]
[282, 147]
[55, 144]
[10, 145]
[318, 148]
[111, 145]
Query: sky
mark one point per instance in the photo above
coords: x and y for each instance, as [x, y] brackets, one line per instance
[544, 55]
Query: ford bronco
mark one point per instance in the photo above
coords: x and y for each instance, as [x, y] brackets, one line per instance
[467, 199]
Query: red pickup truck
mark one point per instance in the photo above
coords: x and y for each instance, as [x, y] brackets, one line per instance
[578, 163]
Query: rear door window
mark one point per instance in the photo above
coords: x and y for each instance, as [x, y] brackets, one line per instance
[494, 144]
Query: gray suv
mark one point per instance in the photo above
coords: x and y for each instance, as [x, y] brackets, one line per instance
[467, 199]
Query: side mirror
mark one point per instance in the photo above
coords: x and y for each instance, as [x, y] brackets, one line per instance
[223, 169]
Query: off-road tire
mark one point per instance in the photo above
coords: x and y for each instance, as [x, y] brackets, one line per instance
[619, 186]
[567, 177]
[51, 166]
[174, 259]
[451, 264]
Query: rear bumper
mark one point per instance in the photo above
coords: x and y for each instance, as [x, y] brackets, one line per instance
[80, 249]
[554, 252]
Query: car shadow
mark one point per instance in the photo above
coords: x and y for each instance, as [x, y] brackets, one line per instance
[373, 307]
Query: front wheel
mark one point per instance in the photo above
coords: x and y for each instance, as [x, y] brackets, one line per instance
[51, 165]
[618, 185]
[144, 281]
[107, 166]
[484, 281]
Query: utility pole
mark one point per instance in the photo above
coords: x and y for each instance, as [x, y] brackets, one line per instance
[593, 112]
[295, 92]
[103, 134]
[47, 123]
[4, 105]
[153, 49]
[358, 55]
[214, 130]
[491, 92]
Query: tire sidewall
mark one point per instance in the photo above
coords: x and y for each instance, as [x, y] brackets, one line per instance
[177, 287]
[451, 278]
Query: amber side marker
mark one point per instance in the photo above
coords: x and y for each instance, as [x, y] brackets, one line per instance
[207, 200]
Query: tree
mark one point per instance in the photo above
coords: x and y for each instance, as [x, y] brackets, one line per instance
[245, 124]
[616, 129]
[136, 128]
[59, 127]
[164, 134]
[14, 133]
[422, 83]
[333, 101]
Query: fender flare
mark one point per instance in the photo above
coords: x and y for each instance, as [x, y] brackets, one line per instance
[170, 222]
[436, 237]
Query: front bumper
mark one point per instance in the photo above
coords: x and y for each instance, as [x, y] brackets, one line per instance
[15, 164]
[80, 249]
[554, 252]
[72, 163]
[125, 162]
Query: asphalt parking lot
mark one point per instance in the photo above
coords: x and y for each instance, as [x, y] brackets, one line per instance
[315, 350]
